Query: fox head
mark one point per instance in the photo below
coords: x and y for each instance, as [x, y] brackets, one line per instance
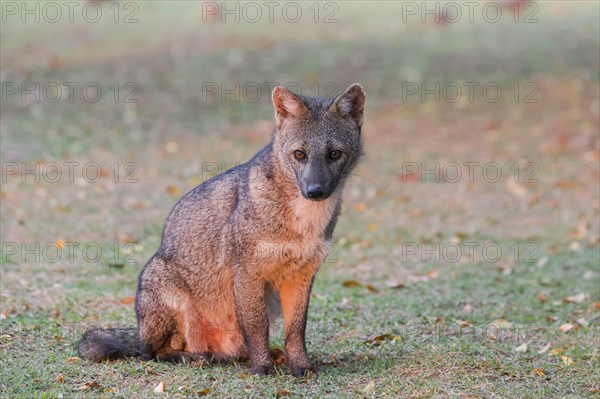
[318, 141]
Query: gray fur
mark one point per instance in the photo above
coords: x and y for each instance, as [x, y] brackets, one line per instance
[247, 243]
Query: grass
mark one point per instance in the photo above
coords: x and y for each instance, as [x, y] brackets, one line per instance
[384, 321]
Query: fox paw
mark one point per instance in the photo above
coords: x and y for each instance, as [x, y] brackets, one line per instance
[304, 371]
[263, 369]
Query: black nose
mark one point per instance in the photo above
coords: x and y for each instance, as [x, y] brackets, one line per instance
[315, 191]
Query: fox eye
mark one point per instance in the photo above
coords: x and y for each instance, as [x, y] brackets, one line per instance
[299, 155]
[335, 154]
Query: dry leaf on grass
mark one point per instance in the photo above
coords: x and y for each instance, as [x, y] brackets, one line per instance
[369, 387]
[73, 359]
[360, 207]
[160, 387]
[521, 348]
[545, 348]
[568, 327]
[372, 227]
[351, 283]
[556, 352]
[173, 191]
[60, 379]
[128, 300]
[567, 360]
[516, 189]
[575, 298]
[395, 284]
[372, 288]
[380, 339]
[204, 392]
[538, 371]
[88, 385]
[282, 392]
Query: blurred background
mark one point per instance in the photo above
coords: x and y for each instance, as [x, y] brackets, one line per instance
[481, 130]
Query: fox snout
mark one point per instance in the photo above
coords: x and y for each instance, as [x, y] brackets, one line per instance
[316, 182]
[315, 192]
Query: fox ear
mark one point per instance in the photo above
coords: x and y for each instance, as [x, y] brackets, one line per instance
[287, 105]
[351, 102]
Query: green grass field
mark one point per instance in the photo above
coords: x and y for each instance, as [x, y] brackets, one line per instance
[485, 284]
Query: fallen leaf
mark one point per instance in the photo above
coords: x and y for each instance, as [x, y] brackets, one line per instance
[518, 190]
[556, 351]
[399, 285]
[541, 297]
[351, 283]
[583, 322]
[360, 207]
[281, 392]
[128, 300]
[73, 359]
[432, 274]
[521, 348]
[545, 348]
[88, 385]
[160, 387]
[171, 147]
[542, 261]
[538, 371]
[567, 327]
[61, 208]
[56, 62]
[582, 229]
[408, 177]
[60, 379]
[575, 298]
[204, 392]
[126, 239]
[372, 227]
[567, 360]
[575, 246]
[174, 191]
[462, 323]
[380, 339]
[372, 288]
[369, 387]
[501, 324]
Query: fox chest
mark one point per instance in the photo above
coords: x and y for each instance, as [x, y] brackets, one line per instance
[303, 241]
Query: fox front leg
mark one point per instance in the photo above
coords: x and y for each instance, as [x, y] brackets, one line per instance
[295, 295]
[252, 314]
